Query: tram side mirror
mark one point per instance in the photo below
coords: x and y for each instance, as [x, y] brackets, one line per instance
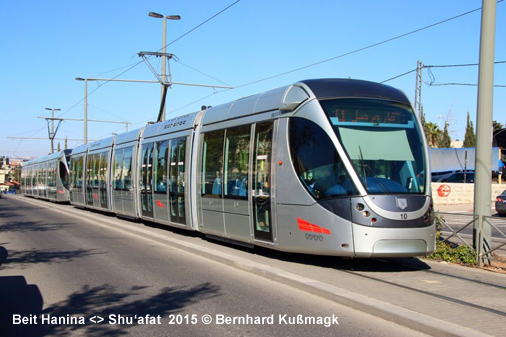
[288, 107]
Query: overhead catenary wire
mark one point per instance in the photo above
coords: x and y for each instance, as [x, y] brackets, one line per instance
[441, 66]
[363, 48]
[201, 24]
[433, 78]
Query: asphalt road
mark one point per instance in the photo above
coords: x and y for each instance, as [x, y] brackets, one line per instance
[70, 270]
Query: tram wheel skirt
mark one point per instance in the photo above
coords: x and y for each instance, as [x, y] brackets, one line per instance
[393, 242]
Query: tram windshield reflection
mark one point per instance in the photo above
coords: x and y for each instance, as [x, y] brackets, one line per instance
[383, 141]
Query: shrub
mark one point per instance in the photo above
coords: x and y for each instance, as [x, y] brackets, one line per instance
[451, 252]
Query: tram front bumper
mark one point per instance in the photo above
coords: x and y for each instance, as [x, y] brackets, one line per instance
[393, 242]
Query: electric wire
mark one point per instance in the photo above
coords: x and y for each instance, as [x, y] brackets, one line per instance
[201, 72]
[200, 25]
[363, 48]
[441, 66]
[404, 74]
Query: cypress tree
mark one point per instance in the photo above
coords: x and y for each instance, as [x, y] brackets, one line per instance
[470, 137]
[446, 141]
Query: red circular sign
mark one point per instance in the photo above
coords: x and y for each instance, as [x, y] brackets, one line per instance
[444, 190]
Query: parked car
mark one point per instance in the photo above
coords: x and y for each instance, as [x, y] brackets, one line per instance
[439, 176]
[460, 177]
[500, 203]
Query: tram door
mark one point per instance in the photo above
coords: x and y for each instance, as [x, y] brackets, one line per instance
[90, 173]
[146, 180]
[176, 182]
[235, 183]
[261, 184]
[117, 200]
[103, 160]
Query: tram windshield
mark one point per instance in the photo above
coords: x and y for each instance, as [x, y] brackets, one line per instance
[382, 141]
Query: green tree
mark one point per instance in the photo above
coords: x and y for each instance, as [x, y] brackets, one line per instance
[497, 126]
[445, 140]
[469, 137]
[433, 134]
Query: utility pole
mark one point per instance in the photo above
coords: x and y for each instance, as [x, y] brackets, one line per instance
[164, 55]
[52, 133]
[418, 89]
[169, 83]
[482, 183]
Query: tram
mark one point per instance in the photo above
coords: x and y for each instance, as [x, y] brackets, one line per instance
[47, 177]
[327, 167]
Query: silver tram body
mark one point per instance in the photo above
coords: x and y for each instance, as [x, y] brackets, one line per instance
[329, 166]
[47, 177]
[90, 166]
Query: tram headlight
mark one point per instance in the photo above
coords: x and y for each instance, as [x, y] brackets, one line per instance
[366, 214]
[359, 207]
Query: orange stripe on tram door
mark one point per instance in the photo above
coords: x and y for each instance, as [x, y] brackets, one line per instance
[309, 227]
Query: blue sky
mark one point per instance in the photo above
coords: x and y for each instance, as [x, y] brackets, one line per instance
[47, 44]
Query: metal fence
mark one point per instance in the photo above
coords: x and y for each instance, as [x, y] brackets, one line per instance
[460, 227]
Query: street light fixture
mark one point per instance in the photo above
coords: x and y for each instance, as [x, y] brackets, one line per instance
[164, 44]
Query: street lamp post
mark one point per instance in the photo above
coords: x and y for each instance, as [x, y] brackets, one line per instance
[164, 44]
[52, 133]
[85, 107]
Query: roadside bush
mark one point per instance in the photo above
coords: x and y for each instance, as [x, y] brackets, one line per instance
[453, 253]
[449, 251]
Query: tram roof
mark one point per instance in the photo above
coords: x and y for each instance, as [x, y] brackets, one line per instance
[329, 88]
[80, 149]
[60, 154]
[101, 144]
[266, 101]
[129, 136]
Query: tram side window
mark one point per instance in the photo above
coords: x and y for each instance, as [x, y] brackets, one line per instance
[72, 173]
[160, 175]
[212, 164]
[317, 162]
[96, 171]
[237, 145]
[72, 167]
[117, 165]
[179, 167]
[102, 175]
[91, 168]
[34, 176]
[79, 172]
[126, 175]
[53, 174]
[64, 174]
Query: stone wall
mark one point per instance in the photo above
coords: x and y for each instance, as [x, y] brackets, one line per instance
[454, 194]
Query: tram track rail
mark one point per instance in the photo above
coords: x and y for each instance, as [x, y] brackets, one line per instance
[498, 286]
[425, 292]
